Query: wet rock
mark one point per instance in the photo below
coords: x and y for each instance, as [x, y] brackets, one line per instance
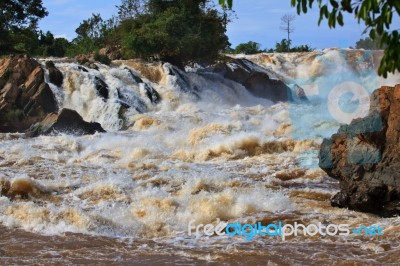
[127, 101]
[92, 66]
[182, 81]
[101, 87]
[81, 68]
[67, 121]
[55, 75]
[25, 98]
[23, 188]
[254, 78]
[151, 93]
[300, 94]
[364, 157]
[122, 99]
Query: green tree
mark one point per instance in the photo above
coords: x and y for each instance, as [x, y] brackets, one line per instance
[60, 47]
[179, 32]
[18, 22]
[301, 48]
[131, 9]
[45, 40]
[90, 28]
[287, 26]
[93, 34]
[248, 48]
[90, 36]
[282, 46]
[369, 44]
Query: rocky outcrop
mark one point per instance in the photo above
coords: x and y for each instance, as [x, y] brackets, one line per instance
[182, 81]
[66, 121]
[255, 78]
[25, 98]
[87, 60]
[112, 52]
[364, 157]
[151, 93]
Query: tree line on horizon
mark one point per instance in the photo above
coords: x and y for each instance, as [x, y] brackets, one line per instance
[179, 31]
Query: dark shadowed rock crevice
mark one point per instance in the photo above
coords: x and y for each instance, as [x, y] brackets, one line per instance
[101, 87]
[364, 157]
[55, 75]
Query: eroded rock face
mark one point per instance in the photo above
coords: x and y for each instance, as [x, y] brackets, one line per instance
[364, 157]
[66, 121]
[255, 79]
[24, 96]
[112, 52]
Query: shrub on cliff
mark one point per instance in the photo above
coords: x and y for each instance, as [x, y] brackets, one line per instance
[248, 48]
[284, 47]
[102, 58]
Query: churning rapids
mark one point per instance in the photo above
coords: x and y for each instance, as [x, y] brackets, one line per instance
[185, 146]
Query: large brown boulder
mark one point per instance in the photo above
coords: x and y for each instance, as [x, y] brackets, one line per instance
[25, 98]
[66, 121]
[364, 157]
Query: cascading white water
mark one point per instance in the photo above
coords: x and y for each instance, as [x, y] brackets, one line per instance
[193, 146]
[79, 92]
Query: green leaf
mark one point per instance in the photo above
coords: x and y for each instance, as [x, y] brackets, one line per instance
[332, 19]
[340, 19]
[223, 3]
[304, 5]
[321, 17]
[388, 19]
[334, 3]
[379, 28]
[372, 34]
[326, 12]
[397, 6]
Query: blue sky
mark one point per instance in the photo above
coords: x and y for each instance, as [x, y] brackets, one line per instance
[256, 20]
